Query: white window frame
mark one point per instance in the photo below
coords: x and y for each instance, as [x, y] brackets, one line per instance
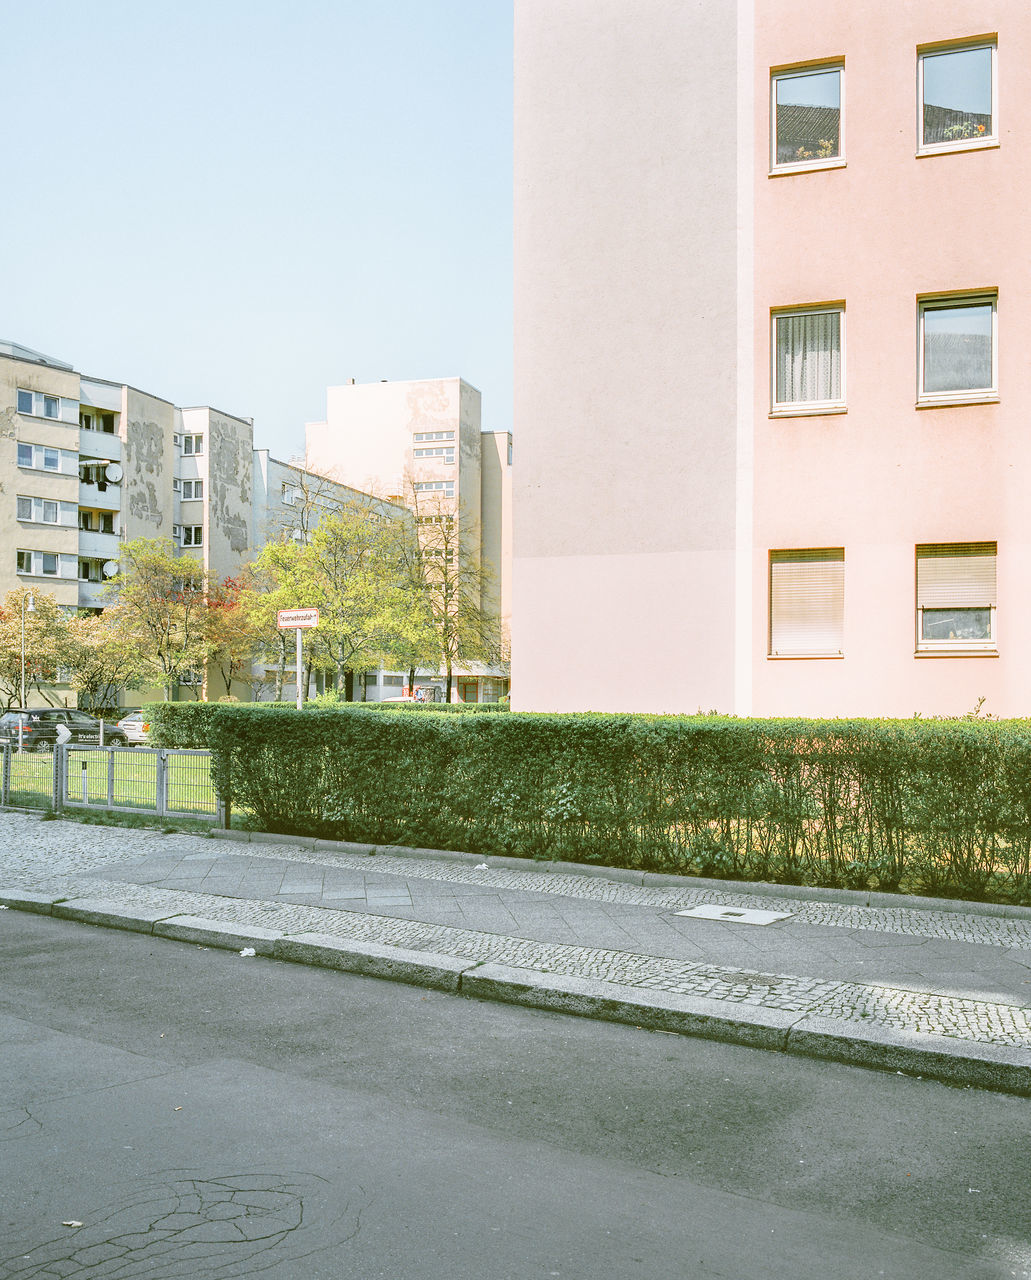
[46, 450]
[177, 534]
[960, 144]
[175, 485]
[20, 502]
[940, 647]
[190, 490]
[793, 73]
[977, 395]
[806, 408]
[43, 564]
[804, 556]
[193, 535]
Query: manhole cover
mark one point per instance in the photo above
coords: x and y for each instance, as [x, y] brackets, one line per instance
[734, 915]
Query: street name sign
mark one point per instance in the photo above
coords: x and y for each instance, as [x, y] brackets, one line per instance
[288, 619]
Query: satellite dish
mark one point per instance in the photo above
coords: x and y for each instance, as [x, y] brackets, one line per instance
[110, 568]
[113, 472]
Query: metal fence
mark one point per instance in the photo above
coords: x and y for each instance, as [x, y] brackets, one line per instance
[146, 780]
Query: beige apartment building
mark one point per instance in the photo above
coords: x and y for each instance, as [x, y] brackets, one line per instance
[772, 315]
[87, 463]
[421, 443]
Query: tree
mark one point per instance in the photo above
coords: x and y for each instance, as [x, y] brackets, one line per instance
[230, 638]
[159, 603]
[449, 583]
[104, 660]
[48, 645]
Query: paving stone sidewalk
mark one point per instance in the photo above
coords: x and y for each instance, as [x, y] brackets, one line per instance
[955, 975]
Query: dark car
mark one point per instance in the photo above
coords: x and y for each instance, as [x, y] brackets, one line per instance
[42, 727]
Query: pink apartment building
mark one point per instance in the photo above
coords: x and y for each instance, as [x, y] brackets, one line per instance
[773, 324]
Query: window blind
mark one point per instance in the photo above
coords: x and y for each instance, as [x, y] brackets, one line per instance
[807, 601]
[956, 575]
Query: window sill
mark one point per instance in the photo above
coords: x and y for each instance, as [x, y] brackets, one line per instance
[958, 652]
[957, 400]
[951, 148]
[804, 657]
[814, 166]
[802, 411]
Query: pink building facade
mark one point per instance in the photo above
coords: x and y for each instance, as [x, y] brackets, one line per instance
[773, 316]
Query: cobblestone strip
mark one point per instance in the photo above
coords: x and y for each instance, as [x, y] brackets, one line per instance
[970, 1020]
[988, 930]
[27, 846]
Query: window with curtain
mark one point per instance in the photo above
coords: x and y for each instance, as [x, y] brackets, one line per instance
[957, 347]
[807, 603]
[956, 596]
[807, 364]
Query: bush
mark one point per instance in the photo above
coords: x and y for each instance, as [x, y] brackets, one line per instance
[923, 806]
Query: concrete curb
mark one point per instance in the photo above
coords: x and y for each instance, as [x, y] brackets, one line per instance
[645, 879]
[956, 1062]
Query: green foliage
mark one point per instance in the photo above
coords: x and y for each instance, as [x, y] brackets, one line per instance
[941, 807]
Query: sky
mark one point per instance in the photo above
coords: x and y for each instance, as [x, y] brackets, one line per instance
[242, 202]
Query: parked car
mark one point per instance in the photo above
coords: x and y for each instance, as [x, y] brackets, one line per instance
[42, 727]
[135, 728]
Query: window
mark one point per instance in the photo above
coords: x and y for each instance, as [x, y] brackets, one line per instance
[177, 533]
[957, 95]
[955, 597]
[24, 401]
[51, 407]
[51, 459]
[393, 682]
[107, 423]
[107, 522]
[807, 603]
[446, 487]
[468, 689]
[190, 677]
[433, 435]
[447, 454]
[509, 450]
[49, 564]
[808, 369]
[175, 486]
[86, 421]
[806, 118]
[49, 512]
[24, 508]
[24, 561]
[193, 444]
[958, 349]
[193, 489]
[193, 535]
[176, 440]
[25, 455]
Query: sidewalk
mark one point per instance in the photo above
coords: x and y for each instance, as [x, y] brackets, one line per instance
[930, 988]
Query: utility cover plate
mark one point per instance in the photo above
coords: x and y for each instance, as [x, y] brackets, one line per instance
[734, 915]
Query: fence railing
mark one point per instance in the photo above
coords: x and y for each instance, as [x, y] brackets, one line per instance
[162, 782]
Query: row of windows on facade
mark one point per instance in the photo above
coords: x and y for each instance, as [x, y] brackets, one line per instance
[957, 353]
[446, 488]
[957, 97]
[955, 600]
[50, 511]
[57, 565]
[38, 404]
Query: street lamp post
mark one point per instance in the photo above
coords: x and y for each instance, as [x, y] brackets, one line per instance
[25, 600]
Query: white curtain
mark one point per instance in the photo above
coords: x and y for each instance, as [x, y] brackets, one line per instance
[809, 357]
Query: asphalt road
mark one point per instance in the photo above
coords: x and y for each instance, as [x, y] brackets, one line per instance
[206, 1115]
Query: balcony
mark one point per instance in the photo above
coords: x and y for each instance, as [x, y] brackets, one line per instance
[99, 546]
[98, 498]
[91, 595]
[99, 444]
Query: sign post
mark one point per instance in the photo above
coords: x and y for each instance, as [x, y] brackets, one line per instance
[298, 620]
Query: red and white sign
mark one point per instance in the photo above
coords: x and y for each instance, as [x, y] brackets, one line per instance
[288, 619]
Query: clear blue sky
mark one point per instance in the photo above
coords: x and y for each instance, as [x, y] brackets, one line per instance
[240, 202]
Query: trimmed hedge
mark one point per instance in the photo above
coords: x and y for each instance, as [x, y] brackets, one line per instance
[187, 724]
[939, 807]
